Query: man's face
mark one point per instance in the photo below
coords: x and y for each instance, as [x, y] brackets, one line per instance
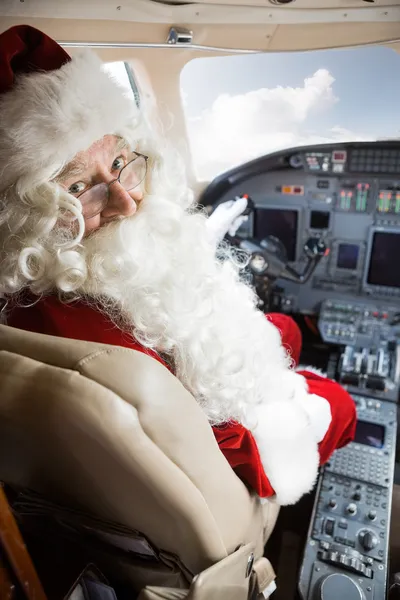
[101, 164]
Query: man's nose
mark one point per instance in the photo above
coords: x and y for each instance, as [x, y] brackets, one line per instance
[120, 202]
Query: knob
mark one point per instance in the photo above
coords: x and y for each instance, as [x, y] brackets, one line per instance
[332, 503]
[372, 515]
[351, 508]
[356, 496]
[337, 586]
[368, 539]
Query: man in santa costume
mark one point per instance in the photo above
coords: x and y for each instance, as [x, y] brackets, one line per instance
[100, 241]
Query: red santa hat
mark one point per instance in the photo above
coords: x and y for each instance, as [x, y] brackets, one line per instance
[53, 106]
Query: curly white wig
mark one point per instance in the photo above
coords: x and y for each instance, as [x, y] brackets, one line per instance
[45, 120]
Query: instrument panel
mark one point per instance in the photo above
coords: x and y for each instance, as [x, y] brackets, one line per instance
[349, 195]
[348, 537]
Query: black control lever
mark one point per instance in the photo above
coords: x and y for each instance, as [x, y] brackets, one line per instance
[268, 258]
[314, 249]
[350, 379]
[375, 382]
[250, 206]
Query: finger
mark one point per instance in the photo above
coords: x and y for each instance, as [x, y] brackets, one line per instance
[239, 207]
[236, 224]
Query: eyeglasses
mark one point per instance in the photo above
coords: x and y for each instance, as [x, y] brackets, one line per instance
[95, 199]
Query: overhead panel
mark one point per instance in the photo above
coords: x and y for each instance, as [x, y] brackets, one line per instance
[216, 25]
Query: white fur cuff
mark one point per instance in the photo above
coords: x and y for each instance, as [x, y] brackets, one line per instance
[319, 413]
[288, 449]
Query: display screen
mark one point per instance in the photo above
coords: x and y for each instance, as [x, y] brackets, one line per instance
[319, 219]
[338, 156]
[383, 266]
[281, 224]
[370, 434]
[318, 161]
[347, 256]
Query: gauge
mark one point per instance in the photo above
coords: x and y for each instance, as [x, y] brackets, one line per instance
[296, 161]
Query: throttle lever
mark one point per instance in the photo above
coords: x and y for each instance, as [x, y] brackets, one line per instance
[314, 249]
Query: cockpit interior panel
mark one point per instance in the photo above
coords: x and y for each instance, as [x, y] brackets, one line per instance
[342, 202]
[348, 194]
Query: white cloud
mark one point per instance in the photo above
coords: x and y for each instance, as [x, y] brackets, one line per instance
[238, 128]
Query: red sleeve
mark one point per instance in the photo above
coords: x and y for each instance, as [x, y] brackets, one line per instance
[240, 450]
[343, 410]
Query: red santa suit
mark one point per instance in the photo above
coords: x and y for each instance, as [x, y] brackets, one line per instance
[82, 322]
[53, 107]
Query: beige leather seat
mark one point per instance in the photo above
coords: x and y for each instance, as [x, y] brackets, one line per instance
[113, 431]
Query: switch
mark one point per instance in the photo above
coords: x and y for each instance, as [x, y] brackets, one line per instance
[329, 526]
[332, 503]
[355, 565]
[372, 515]
[333, 556]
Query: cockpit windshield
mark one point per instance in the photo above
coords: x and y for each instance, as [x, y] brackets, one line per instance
[244, 106]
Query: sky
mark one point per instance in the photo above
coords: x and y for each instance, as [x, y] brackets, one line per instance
[243, 106]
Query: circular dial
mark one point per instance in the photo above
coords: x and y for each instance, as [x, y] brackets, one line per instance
[368, 539]
[296, 161]
[337, 586]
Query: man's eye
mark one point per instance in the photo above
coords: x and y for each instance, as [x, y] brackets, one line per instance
[118, 163]
[76, 188]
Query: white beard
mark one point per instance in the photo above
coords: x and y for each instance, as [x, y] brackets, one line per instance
[158, 272]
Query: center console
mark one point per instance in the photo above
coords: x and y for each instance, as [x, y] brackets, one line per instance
[370, 361]
[346, 196]
[346, 554]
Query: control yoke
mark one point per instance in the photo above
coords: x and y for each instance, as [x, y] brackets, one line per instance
[268, 257]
